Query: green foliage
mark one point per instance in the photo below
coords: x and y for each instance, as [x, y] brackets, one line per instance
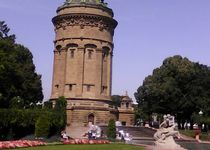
[22, 122]
[42, 126]
[4, 33]
[48, 105]
[179, 87]
[17, 72]
[17, 103]
[60, 104]
[111, 131]
[60, 108]
[116, 100]
[139, 114]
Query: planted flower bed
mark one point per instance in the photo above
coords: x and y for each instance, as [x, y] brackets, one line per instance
[20, 144]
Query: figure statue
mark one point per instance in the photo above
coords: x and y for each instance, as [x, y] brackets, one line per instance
[164, 135]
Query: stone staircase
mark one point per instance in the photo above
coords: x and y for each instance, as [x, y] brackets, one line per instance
[136, 132]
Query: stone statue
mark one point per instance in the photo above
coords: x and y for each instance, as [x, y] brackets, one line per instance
[164, 135]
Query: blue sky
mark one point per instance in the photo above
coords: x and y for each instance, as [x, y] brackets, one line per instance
[148, 32]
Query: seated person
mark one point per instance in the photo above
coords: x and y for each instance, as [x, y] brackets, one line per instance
[64, 135]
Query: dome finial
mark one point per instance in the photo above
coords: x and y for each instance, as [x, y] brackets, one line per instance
[126, 93]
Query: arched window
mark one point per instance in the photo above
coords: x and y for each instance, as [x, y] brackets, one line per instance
[71, 45]
[127, 105]
[122, 104]
[90, 49]
[91, 118]
[90, 53]
[72, 53]
[58, 48]
[105, 51]
[72, 48]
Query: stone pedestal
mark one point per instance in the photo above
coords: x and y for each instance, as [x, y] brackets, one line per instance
[169, 144]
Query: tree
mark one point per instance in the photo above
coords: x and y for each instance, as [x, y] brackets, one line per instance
[179, 87]
[48, 105]
[60, 109]
[116, 100]
[111, 131]
[4, 33]
[17, 72]
[60, 104]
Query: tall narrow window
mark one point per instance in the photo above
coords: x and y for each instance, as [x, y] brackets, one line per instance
[106, 51]
[88, 88]
[90, 52]
[70, 87]
[72, 47]
[58, 48]
[57, 86]
[72, 53]
[104, 89]
[127, 105]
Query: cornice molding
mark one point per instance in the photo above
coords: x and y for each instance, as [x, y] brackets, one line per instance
[82, 20]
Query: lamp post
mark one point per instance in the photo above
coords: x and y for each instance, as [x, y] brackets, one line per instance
[198, 131]
[201, 114]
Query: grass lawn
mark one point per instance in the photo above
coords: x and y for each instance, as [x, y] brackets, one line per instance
[87, 147]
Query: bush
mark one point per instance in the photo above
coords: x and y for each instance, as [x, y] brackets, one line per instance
[16, 123]
[60, 104]
[48, 105]
[19, 123]
[111, 131]
[42, 126]
[60, 110]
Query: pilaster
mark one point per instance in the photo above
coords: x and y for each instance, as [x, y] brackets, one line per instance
[80, 71]
[99, 64]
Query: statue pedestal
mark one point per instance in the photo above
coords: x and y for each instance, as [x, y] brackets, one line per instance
[168, 144]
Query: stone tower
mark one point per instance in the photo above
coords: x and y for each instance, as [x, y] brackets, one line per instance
[82, 70]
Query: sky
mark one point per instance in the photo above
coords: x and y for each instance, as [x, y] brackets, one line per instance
[148, 31]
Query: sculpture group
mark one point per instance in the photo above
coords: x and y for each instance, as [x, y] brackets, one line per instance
[164, 137]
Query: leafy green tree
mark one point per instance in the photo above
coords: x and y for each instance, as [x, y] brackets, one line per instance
[116, 100]
[60, 104]
[4, 32]
[16, 103]
[179, 87]
[60, 109]
[17, 72]
[111, 131]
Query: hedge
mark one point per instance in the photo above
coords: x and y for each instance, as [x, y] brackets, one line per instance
[15, 123]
